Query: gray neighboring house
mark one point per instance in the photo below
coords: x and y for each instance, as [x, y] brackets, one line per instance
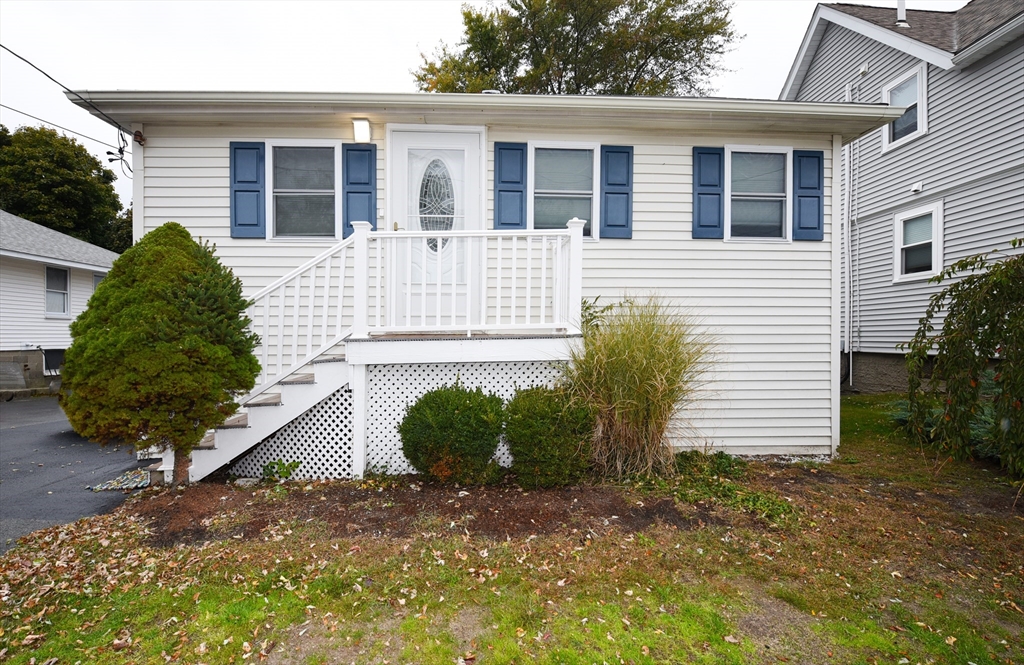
[46, 280]
[943, 182]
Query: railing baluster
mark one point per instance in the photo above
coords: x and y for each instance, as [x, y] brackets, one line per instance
[312, 309]
[379, 282]
[455, 273]
[282, 297]
[327, 300]
[497, 273]
[295, 318]
[559, 283]
[423, 283]
[529, 279]
[543, 278]
[515, 279]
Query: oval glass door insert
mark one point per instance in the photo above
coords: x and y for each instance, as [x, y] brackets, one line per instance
[437, 201]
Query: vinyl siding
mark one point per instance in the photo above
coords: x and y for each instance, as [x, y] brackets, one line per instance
[23, 319]
[769, 306]
[971, 159]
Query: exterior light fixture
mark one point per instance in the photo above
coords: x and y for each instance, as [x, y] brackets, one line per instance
[361, 130]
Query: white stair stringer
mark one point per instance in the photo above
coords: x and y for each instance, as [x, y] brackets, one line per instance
[296, 399]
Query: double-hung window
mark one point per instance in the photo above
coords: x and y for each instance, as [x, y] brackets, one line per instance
[908, 91]
[304, 201]
[918, 243]
[758, 192]
[57, 283]
[562, 181]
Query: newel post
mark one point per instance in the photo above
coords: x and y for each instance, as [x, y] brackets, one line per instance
[361, 278]
[574, 311]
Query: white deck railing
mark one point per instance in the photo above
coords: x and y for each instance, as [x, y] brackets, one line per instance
[418, 283]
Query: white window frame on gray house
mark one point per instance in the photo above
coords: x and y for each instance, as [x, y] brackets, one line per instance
[932, 210]
[52, 293]
[96, 279]
[900, 88]
[785, 195]
[533, 193]
[274, 192]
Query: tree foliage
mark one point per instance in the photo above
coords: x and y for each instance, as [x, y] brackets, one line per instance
[163, 349]
[52, 180]
[984, 320]
[584, 47]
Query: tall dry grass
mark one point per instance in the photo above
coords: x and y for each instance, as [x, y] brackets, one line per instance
[640, 365]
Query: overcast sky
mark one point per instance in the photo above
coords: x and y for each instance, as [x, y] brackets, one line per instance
[346, 46]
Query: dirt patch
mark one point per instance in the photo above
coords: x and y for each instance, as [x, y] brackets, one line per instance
[327, 641]
[217, 511]
[782, 633]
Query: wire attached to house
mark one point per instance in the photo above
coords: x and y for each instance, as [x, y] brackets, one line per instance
[53, 124]
[122, 141]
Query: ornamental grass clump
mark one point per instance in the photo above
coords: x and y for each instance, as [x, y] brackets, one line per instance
[640, 366]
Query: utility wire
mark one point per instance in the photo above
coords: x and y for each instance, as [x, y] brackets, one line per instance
[53, 124]
[122, 142]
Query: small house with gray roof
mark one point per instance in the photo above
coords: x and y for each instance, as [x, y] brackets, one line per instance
[942, 182]
[46, 280]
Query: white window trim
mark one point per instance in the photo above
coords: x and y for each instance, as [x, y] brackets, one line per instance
[595, 148]
[787, 222]
[935, 208]
[95, 281]
[921, 71]
[270, 144]
[66, 314]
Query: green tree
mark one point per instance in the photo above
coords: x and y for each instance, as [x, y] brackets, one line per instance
[984, 319]
[163, 349]
[52, 180]
[119, 236]
[584, 47]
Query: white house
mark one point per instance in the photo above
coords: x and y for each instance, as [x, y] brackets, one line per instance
[942, 182]
[46, 280]
[396, 242]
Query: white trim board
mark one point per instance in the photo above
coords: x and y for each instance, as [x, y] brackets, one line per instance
[468, 350]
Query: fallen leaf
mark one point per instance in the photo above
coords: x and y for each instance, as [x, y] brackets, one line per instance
[730, 639]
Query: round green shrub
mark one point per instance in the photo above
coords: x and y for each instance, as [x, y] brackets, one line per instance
[548, 436]
[451, 433]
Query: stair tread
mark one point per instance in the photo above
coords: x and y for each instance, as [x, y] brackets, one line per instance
[299, 379]
[237, 420]
[208, 442]
[332, 358]
[266, 399]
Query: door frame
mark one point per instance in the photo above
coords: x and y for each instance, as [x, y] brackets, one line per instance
[391, 162]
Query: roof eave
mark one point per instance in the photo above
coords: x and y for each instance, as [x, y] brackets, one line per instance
[992, 42]
[54, 261]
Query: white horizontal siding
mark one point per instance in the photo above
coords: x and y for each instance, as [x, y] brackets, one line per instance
[23, 319]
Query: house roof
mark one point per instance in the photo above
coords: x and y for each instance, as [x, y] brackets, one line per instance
[21, 238]
[696, 114]
[944, 39]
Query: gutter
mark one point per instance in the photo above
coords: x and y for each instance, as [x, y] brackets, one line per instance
[993, 41]
[53, 261]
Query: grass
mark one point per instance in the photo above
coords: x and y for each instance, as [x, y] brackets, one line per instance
[875, 559]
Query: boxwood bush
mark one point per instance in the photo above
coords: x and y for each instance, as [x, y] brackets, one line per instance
[548, 436]
[451, 433]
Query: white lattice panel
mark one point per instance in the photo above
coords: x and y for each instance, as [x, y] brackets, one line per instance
[321, 439]
[392, 388]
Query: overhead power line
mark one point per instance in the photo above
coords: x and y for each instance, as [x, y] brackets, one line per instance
[53, 124]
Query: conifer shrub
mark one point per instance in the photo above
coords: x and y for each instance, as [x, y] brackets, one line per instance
[162, 350]
[640, 365]
[450, 434]
[548, 436]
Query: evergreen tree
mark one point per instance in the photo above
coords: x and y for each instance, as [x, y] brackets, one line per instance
[163, 349]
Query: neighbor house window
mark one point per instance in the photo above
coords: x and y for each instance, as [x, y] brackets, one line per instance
[57, 280]
[908, 91]
[758, 192]
[303, 200]
[563, 187]
[96, 279]
[918, 243]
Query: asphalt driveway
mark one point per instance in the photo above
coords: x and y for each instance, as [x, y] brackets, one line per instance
[45, 469]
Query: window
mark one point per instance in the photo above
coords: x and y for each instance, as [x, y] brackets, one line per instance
[918, 243]
[563, 186]
[908, 90]
[57, 291]
[758, 190]
[304, 201]
[96, 279]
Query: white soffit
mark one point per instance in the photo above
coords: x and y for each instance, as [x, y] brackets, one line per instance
[816, 29]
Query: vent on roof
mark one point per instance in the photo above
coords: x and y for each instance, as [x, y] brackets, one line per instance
[901, 14]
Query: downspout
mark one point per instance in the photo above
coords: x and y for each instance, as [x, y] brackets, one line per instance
[847, 240]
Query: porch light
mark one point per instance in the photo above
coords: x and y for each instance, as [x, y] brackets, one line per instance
[361, 130]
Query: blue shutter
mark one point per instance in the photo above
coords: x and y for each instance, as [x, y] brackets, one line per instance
[616, 191]
[509, 186]
[709, 192]
[359, 185]
[248, 190]
[808, 195]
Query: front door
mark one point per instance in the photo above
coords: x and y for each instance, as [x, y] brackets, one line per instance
[435, 186]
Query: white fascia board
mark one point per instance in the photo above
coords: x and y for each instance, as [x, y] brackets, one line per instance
[457, 350]
[54, 262]
[802, 62]
[1001, 36]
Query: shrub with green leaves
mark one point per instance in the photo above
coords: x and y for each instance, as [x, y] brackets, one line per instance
[984, 320]
[451, 434]
[548, 436]
[162, 350]
[640, 365]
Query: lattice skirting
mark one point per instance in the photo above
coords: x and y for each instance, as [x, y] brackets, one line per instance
[321, 439]
[392, 388]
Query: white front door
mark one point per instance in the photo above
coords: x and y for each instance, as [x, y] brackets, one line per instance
[435, 186]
